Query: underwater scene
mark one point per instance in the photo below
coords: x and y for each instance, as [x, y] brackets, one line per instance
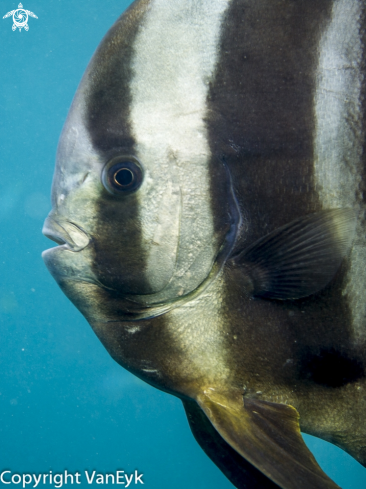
[152, 270]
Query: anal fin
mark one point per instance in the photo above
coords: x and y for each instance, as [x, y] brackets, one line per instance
[268, 436]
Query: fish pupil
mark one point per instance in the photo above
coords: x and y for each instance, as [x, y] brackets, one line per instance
[123, 177]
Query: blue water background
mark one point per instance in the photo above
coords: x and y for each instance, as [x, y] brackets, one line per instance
[64, 403]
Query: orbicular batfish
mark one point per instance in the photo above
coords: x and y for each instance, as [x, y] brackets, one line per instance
[209, 203]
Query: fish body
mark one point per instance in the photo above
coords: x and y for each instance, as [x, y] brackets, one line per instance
[208, 200]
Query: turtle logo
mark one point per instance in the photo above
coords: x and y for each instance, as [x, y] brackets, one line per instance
[20, 17]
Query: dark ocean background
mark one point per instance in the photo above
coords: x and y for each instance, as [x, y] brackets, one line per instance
[64, 403]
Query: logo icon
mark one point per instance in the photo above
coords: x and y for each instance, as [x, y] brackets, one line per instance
[20, 17]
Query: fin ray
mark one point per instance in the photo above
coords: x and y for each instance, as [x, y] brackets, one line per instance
[300, 258]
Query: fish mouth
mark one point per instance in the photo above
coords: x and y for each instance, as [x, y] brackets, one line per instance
[66, 234]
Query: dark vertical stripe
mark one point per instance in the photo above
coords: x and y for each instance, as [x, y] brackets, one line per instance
[107, 81]
[261, 107]
[119, 256]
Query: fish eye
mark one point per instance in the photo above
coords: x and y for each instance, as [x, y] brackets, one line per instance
[122, 175]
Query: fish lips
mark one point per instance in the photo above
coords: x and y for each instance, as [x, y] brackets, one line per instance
[70, 261]
[66, 234]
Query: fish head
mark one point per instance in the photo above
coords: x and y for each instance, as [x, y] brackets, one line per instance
[141, 206]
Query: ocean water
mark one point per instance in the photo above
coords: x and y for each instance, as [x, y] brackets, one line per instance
[64, 403]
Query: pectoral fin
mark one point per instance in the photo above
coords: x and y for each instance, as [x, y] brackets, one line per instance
[300, 258]
[268, 436]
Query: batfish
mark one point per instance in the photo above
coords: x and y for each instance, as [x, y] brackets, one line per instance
[209, 207]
